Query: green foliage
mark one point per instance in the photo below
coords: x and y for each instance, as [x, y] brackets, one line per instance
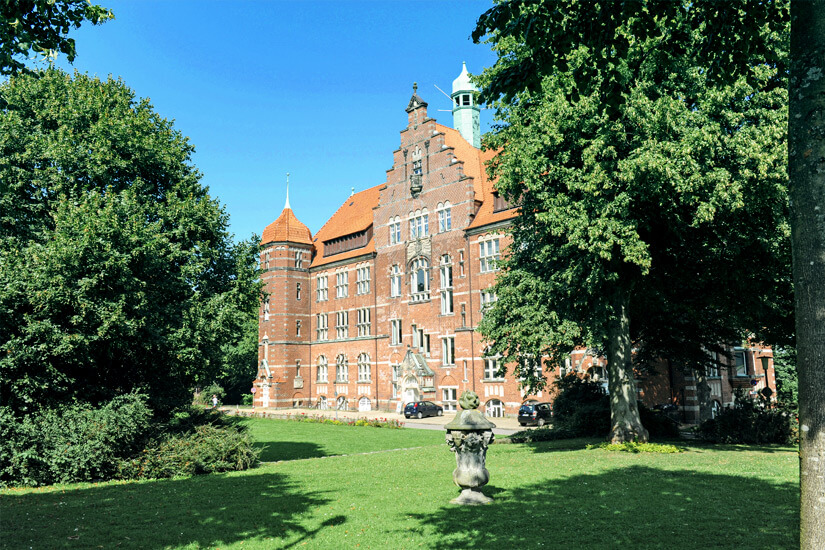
[207, 449]
[787, 380]
[203, 398]
[371, 422]
[658, 424]
[41, 26]
[545, 433]
[581, 407]
[650, 168]
[77, 443]
[636, 447]
[753, 422]
[116, 269]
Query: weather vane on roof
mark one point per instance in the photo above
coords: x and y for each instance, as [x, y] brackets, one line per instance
[415, 88]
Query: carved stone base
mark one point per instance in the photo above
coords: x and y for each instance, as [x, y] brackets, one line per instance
[471, 497]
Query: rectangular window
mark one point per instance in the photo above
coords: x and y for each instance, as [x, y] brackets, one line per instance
[342, 324]
[419, 226]
[299, 259]
[449, 397]
[321, 288]
[741, 362]
[266, 310]
[363, 322]
[395, 231]
[713, 366]
[395, 385]
[321, 327]
[446, 287]
[491, 369]
[297, 291]
[362, 280]
[488, 297]
[395, 332]
[489, 255]
[448, 351]
[363, 371]
[341, 284]
[297, 328]
[322, 371]
[395, 282]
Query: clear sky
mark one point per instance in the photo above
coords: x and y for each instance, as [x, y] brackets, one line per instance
[262, 88]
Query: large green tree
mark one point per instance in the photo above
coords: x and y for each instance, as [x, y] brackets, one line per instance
[806, 162]
[41, 26]
[116, 268]
[651, 177]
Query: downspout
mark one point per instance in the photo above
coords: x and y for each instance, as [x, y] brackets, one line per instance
[472, 323]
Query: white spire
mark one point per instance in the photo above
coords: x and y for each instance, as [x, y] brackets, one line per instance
[287, 192]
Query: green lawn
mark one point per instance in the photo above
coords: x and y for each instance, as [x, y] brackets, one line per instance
[553, 495]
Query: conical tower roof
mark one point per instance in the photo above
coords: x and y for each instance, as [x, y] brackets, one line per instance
[287, 228]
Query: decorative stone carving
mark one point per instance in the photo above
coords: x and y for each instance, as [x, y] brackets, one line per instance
[419, 247]
[468, 436]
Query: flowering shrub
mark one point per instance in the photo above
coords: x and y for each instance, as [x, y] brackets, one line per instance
[321, 419]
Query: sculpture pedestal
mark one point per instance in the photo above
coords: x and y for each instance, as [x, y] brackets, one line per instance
[471, 497]
[468, 436]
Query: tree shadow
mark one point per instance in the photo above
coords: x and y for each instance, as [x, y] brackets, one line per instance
[272, 451]
[632, 507]
[202, 511]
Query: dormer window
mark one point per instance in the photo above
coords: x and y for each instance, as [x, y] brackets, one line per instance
[466, 99]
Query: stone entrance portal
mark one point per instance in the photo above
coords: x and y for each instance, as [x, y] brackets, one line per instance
[416, 378]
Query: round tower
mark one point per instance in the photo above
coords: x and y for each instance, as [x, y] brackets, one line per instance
[284, 319]
[466, 112]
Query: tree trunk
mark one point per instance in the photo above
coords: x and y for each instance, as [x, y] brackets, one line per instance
[703, 395]
[806, 166]
[625, 424]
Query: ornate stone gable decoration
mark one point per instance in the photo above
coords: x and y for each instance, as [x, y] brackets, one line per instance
[419, 248]
[415, 375]
[416, 184]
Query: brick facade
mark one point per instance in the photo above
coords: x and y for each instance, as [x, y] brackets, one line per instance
[391, 292]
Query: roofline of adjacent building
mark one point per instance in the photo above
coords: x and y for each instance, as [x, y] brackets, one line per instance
[344, 261]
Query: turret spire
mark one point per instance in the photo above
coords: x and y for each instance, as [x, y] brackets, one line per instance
[287, 192]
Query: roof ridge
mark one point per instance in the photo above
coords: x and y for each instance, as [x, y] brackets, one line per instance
[329, 219]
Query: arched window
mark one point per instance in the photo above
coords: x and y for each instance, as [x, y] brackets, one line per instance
[322, 403]
[419, 224]
[395, 230]
[322, 370]
[419, 280]
[494, 408]
[363, 368]
[341, 369]
[445, 221]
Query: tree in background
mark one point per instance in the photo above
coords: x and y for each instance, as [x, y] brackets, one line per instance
[806, 152]
[41, 26]
[651, 177]
[116, 268]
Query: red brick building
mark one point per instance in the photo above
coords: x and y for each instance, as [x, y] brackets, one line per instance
[380, 306]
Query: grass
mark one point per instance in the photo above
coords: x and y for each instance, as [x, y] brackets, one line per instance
[554, 495]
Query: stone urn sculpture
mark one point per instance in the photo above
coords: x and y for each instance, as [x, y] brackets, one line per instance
[468, 436]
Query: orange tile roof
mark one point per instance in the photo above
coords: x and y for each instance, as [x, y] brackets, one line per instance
[474, 166]
[287, 228]
[353, 216]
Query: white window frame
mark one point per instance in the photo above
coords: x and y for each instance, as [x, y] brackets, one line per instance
[491, 366]
[341, 284]
[419, 224]
[743, 369]
[395, 230]
[488, 298]
[362, 280]
[341, 369]
[364, 370]
[321, 288]
[419, 280]
[363, 321]
[449, 398]
[342, 324]
[266, 309]
[494, 408]
[297, 291]
[446, 292]
[489, 254]
[396, 336]
[322, 370]
[298, 327]
[448, 351]
[322, 327]
[445, 222]
[395, 281]
[299, 259]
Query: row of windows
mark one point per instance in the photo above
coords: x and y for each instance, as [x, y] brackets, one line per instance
[420, 223]
[419, 278]
[299, 259]
[342, 369]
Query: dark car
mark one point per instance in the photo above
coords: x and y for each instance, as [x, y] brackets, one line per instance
[535, 413]
[420, 409]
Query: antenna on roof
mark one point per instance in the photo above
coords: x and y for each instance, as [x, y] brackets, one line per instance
[448, 97]
[287, 192]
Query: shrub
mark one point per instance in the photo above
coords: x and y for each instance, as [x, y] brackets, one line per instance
[207, 449]
[203, 398]
[753, 422]
[77, 443]
[246, 399]
[658, 424]
[636, 447]
[546, 433]
[581, 408]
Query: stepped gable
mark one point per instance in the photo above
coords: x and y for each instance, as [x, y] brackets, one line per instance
[474, 166]
[351, 217]
[287, 228]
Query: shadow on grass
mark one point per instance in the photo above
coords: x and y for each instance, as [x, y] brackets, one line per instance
[203, 511]
[633, 507]
[272, 451]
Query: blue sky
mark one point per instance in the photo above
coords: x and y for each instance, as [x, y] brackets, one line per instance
[262, 88]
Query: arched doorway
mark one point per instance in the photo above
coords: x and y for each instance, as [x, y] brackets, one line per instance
[341, 403]
[322, 402]
[298, 400]
[494, 408]
[265, 395]
[364, 404]
[411, 392]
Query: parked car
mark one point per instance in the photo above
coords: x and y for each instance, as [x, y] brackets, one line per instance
[420, 409]
[535, 414]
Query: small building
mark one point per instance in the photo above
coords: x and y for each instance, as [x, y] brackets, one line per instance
[380, 306]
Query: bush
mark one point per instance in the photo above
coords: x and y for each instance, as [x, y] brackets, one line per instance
[581, 407]
[658, 424]
[77, 443]
[753, 422]
[636, 447]
[203, 398]
[205, 450]
[246, 399]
